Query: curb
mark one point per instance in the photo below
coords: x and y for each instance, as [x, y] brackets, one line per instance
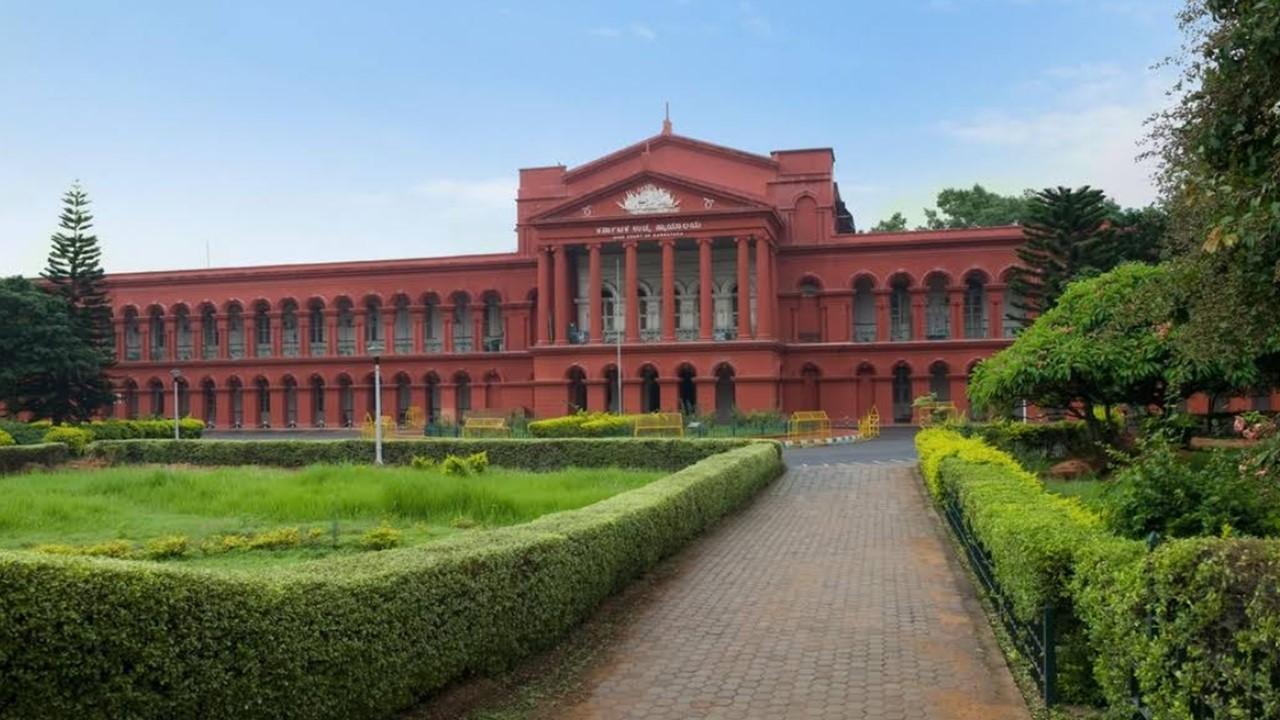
[819, 442]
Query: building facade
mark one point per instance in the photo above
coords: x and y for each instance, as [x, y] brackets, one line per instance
[724, 280]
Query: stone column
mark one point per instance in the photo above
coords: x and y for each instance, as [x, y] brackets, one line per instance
[668, 290]
[119, 326]
[332, 405]
[224, 339]
[633, 292]
[996, 320]
[596, 396]
[744, 286]
[563, 301]
[882, 313]
[361, 317]
[304, 333]
[446, 326]
[706, 311]
[196, 331]
[276, 326]
[331, 332]
[544, 298]
[764, 289]
[955, 298]
[222, 398]
[144, 333]
[595, 296]
[917, 314]
[389, 330]
[305, 404]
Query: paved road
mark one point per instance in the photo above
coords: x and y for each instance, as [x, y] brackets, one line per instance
[894, 445]
[834, 595]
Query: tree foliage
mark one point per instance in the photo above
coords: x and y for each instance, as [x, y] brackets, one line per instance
[1104, 344]
[1220, 152]
[49, 370]
[74, 271]
[896, 222]
[1068, 236]
[975, 207]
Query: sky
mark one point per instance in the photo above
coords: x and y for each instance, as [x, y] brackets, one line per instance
[242, 133]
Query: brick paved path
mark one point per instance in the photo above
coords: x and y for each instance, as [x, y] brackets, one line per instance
[833, 596]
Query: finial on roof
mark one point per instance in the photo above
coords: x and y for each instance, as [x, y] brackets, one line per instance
[666, 118]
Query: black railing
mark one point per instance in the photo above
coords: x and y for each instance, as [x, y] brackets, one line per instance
[1036, 641]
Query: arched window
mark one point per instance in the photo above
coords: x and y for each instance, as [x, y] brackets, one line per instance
[940, 381]
[346, 327]
[235, 397]
[611, 394]
[577, 390]
[462, 331]
[1015, 312]
[262, 329]
[433, 397]
[899, 310]
[182, 333]
[613, 316]
[373, 340]
[132, 335]
[462, 396]
[262, 397]
[402, 327]
[650, 310]
[493, 327]
[902, 394]
[156, 329]
[975, 306]
[317, 401]
[687, 389]
[155, 389]
[686, 312]
[726, 403]
[864, 310]
[650, 391]
[290, 402]
[937, 309]
[183, 391]
[209, 331]
[346, 402]
[317, 333]
[810, 378]
[235, 331]
[209, 394]
[404, 398]
[290, 341]
[725, 303]
[131, 400]
[432, 332]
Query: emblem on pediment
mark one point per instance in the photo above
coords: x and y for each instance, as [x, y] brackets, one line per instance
[649, 199]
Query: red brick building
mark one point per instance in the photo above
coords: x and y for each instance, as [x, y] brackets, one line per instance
[730, 280]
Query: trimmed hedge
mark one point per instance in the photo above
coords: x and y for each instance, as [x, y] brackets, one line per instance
[656, 453]
[17, 457]
[583, 425]
[1196, 622]
[344, 637]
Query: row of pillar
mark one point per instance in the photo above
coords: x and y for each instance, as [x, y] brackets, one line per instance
[555, 296]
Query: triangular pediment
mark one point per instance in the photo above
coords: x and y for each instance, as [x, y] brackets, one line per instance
[652, 194]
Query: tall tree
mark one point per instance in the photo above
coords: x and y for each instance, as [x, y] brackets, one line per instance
[49, 369]
[74, 271]
[894, 223]
[1067, 237]
[1219, 148]
[975, 207]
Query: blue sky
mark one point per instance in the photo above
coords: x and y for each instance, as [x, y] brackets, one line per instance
[312, 131]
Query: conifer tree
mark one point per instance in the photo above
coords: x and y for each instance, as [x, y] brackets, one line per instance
[1068, 236]
[75, 273]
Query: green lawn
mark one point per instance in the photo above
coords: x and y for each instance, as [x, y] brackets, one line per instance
[1088, 491]
[289, 515]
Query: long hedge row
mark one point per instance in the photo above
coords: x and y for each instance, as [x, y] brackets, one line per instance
[530, 454]
[346, 637]
[17, 457]
[1194, 624]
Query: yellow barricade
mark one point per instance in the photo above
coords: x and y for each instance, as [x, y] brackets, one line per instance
[869, 425]
[485, 427]
[659, 424]
[368, 430]
[806, 424]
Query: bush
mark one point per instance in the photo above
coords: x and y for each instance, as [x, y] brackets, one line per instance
[24, 433]
[167, 548]
[382, 537]
[348, 636]
[479, 462]
[422, 463]
[583, 424]
[6, 439]
[1031, 442]
[652, 453]
[74, 438]
[454, 465]
[17, 457]
[1160, 492]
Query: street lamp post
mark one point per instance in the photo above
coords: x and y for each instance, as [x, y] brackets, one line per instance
[177, 374]
[377, 409]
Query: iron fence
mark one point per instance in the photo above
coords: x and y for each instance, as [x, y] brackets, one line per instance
[1036, 641]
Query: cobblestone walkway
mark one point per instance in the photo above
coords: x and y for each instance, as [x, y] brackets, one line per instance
[833, 596]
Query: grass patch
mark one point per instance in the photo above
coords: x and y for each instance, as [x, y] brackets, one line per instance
[253, 515]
